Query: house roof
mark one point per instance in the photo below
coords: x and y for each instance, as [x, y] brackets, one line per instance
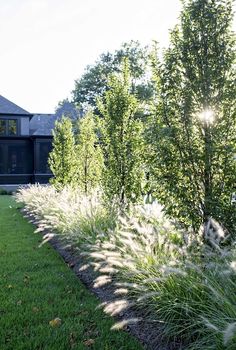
[8, 107]
[42, 124]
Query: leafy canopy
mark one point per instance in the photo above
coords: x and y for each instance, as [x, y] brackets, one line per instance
[122, 137]
[94, 82]
[63, 159]
[89, 153]
[195, 118]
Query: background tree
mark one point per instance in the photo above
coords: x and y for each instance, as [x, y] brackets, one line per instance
[195, 119]
[94, 82]
[89, 154]
[63, 159]
[122, 136]
[67, 109]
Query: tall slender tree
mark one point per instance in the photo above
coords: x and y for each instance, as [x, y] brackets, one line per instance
[89, 154]
[62, 160]
[122, 136]
[195, 116]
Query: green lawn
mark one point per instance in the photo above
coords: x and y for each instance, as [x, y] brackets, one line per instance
[36, 286]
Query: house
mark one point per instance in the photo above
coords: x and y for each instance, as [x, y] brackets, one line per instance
[25, 143]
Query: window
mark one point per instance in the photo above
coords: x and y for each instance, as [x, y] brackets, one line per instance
[43, 148]
[12, 127]
[16, 157]
[3, 127]
[8, 127]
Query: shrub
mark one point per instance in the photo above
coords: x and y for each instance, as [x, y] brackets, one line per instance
[3, 192]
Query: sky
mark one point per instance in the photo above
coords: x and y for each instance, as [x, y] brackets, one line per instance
[46, 44]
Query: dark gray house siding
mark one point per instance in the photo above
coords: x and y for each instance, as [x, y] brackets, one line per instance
[25, 143]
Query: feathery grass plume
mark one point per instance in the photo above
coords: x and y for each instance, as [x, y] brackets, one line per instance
[124, 323]
[102, 281]
[84, 267]
[121, 291]
[148, 295]
[116, 307]
[46, 238]
[233, 265]
[107, 269]
[210, 325]
[229, 333]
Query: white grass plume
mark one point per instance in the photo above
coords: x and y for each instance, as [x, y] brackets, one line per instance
[229, 332]
[124, 323]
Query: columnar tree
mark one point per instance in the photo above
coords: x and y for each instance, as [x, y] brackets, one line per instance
[195, 119]
[89, 154]
[63, 159]
[122, 137]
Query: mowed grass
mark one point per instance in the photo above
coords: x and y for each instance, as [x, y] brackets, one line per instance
[36, 286]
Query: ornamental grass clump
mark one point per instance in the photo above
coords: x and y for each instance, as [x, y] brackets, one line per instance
[181, 282]
[186, 286]
[68, 212]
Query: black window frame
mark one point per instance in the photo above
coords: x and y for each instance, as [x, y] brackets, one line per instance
[7, 133]
[3, 120]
